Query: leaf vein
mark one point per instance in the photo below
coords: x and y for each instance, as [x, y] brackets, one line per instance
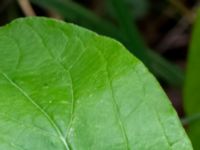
[39, 108]
[116, 107]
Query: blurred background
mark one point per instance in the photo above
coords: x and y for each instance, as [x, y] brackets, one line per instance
[161, 33]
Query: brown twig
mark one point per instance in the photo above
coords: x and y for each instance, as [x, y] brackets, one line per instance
[26, 7]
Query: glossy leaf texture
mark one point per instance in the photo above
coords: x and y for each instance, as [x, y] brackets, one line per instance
[63, 87]
[192, 87]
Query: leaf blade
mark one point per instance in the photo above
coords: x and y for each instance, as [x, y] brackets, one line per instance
[112, 95]
[191, 87]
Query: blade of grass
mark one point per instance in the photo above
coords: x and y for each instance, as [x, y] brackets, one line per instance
[192, 86]
[80, 15]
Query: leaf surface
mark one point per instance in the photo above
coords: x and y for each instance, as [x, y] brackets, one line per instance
[63, 87]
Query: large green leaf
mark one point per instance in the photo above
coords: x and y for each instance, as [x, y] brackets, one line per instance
[63, 87]
[128, 34]
[192, 87]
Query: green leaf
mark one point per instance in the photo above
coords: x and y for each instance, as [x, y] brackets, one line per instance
[192, 86]
[130, 36]
[63, 87]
